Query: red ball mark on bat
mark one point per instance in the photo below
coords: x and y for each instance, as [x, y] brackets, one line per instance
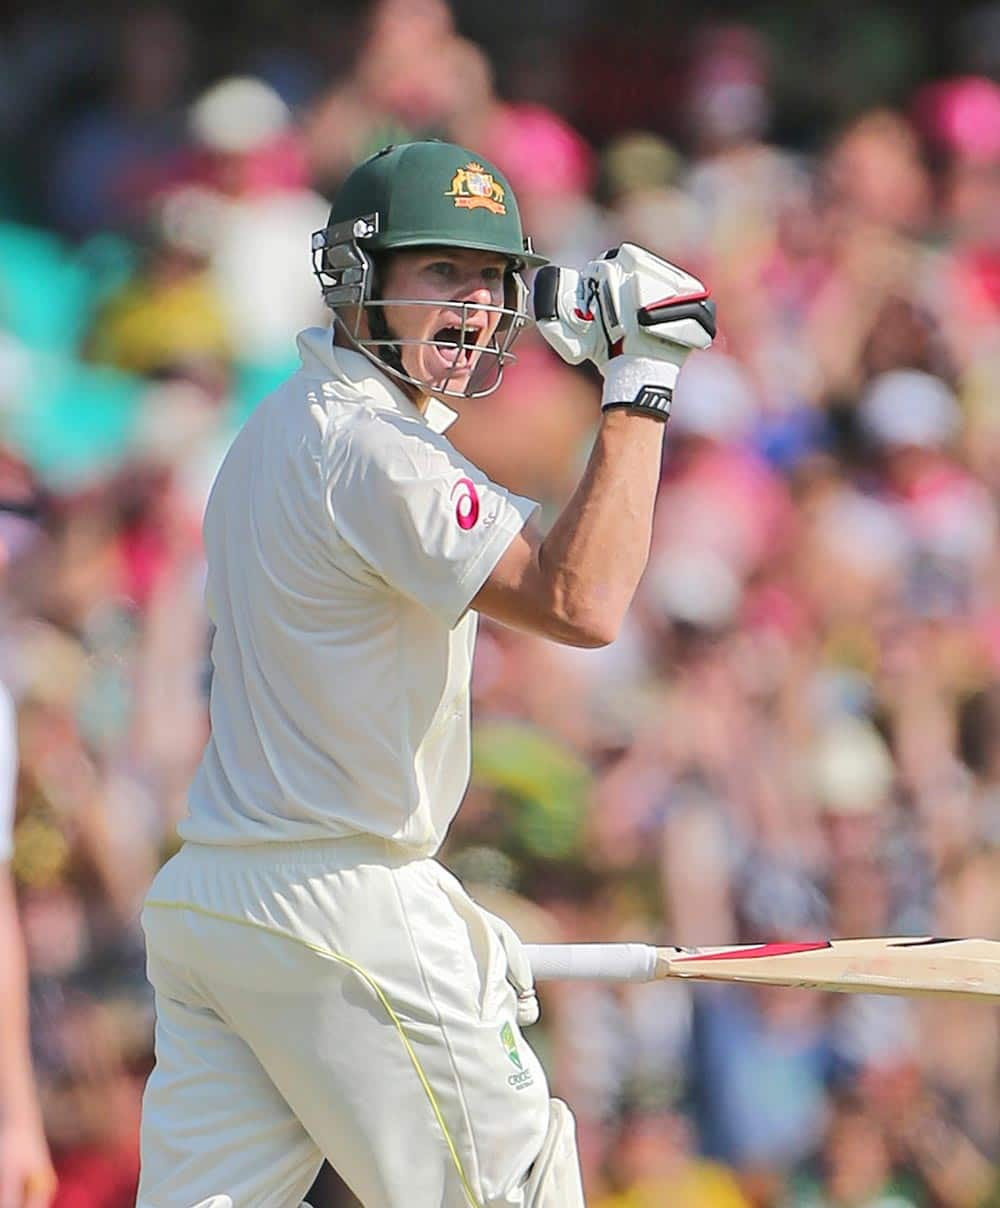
[467, 507]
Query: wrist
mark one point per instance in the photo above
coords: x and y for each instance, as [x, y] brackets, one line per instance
[625, 427]
[644, 385]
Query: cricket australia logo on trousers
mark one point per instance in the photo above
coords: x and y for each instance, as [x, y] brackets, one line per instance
[523, 1077]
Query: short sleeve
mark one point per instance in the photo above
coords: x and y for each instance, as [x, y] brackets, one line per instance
[8, 773]
[427, 521]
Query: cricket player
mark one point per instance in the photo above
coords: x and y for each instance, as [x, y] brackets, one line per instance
[324, 987]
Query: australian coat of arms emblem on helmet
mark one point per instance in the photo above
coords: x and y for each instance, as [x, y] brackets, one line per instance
[473, 187]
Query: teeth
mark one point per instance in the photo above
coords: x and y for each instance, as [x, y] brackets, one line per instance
[454, 335]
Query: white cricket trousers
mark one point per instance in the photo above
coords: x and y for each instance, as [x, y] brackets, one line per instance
[333, 999]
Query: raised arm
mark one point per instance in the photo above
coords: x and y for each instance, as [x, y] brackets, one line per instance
[576, 585]
[637, 318]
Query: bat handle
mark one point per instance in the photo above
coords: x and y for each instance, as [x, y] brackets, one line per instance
[594, 962]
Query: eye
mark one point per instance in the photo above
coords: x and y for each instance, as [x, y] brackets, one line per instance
[444, 270]
[492, 275]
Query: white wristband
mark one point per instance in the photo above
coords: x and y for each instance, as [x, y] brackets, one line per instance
[645, 383]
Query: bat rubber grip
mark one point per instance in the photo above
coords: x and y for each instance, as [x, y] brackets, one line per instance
[592, 962]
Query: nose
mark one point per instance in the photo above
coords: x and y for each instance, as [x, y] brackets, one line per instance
[477, 293]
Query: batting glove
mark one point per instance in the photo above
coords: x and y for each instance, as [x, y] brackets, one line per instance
[635, 316]
[518, 969]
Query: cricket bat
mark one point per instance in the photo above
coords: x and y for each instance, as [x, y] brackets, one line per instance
[910, 965]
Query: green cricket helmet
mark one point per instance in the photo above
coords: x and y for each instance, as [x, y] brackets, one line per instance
[425, 194]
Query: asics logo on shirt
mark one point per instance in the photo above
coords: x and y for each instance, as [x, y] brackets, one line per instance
[467, 504]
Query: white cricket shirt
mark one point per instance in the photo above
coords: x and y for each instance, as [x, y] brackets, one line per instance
[345, 539]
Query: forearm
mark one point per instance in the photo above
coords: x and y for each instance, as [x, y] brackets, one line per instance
[636, 318]
[17, 1093]
[594, 555]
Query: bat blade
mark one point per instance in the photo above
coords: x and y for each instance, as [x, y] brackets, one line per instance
[909, 965]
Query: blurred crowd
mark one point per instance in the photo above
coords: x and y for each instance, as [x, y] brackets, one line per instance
[798, 732]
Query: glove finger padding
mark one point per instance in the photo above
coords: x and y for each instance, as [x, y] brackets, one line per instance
[567, 316]
[637, 317]
[651, 308]
[518, 969]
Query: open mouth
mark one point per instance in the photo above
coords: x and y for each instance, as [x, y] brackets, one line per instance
[456, 346]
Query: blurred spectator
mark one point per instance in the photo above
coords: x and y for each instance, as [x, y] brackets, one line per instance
[640, 179]
[857, 1167]
[959, 118]
[109, 158]
[169, 315]
[736, 179]
[548, 163]
[402, 86]
[876, 174]
[257, 218]
[761, 1063]
[657, 1164]
[911, 418]
[718, 496]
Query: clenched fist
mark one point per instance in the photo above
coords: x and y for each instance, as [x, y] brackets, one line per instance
[635, 316]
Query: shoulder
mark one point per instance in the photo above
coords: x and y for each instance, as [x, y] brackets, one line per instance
[374, 439]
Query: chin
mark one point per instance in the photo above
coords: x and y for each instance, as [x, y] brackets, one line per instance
[441, 381]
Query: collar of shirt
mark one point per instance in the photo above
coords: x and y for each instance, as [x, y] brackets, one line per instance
[353, 370]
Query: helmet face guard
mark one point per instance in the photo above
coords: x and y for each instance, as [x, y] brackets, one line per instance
[347, 276]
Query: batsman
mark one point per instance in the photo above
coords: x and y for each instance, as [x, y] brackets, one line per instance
[324, 987]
